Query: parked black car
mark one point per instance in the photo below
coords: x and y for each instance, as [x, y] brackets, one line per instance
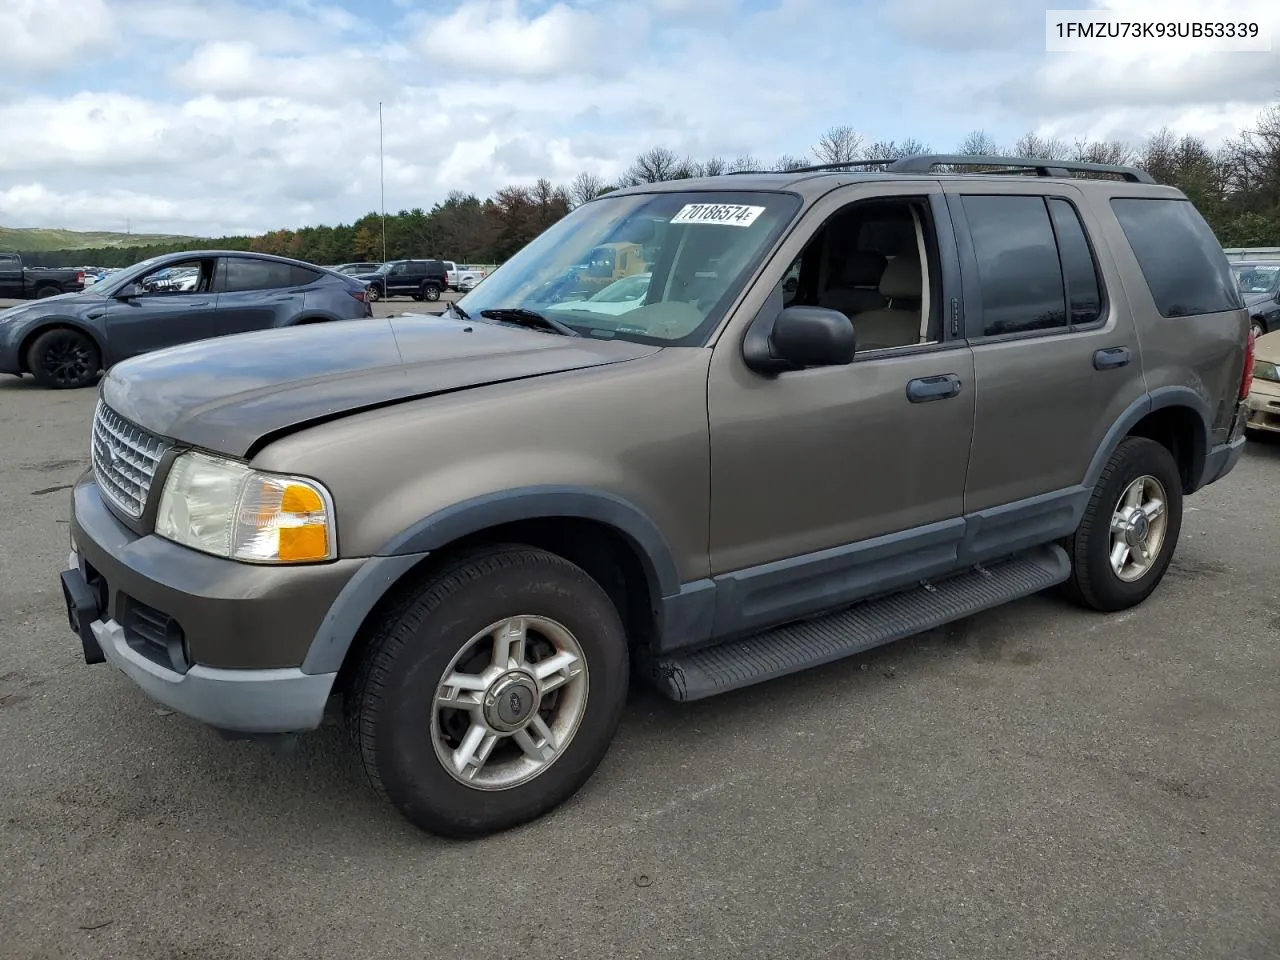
[1259, 282]
[19, 282]
[64, 341]
[420, 279]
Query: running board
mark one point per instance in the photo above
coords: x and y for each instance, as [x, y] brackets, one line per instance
[810, 643]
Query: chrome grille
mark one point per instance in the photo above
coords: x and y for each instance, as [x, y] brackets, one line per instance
[125, 458]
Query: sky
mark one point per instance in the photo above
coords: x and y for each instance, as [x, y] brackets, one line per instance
[210, 117]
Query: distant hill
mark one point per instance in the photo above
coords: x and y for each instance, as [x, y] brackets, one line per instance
[39, 238]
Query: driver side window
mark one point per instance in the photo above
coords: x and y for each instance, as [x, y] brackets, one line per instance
[876, 262]
[188, 276]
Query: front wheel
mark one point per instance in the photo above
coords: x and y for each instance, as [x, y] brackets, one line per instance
[64, 359]
[372, 294]
[1130, 528]
[492, 693]
[1258, 327]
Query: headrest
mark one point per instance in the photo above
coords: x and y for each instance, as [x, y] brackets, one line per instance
[862, 268]
[901, 278]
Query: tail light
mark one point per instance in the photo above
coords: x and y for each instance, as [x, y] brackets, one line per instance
[1246, 378]
[358, 294]
[80, 277]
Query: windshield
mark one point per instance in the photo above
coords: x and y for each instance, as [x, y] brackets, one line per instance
[1257, 277]
[652, 267]
[384, 268]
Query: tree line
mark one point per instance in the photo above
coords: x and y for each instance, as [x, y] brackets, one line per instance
[1236, 186]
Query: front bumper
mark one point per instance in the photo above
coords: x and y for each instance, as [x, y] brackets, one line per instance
[220, 641]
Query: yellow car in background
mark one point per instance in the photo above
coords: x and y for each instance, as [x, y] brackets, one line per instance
[1264, 394]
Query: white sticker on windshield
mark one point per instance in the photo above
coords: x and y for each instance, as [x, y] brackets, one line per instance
[724, 214]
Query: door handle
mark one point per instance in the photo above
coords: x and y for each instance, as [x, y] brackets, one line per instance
[198, 303]
[924, 389]
[1110, 357]
[292, 296]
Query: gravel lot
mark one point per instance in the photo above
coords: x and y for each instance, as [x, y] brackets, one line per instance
[1036, 782]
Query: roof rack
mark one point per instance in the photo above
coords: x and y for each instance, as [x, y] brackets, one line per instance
[925, 163]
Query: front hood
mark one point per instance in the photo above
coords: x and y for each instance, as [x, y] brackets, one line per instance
[229, 393]
[60, 304]
[1252, 300]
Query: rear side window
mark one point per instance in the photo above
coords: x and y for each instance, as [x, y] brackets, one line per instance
[1079, 271]
[303, 276]
[1181, 259]
[244, 274]
[1018, 268]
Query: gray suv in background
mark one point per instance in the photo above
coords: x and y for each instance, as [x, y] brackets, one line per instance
[849, 407]
[178, 298]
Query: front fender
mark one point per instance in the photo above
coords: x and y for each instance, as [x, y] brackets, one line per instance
[532, 503]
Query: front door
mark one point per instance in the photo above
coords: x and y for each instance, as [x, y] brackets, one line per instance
[173, 305]
[833, 483]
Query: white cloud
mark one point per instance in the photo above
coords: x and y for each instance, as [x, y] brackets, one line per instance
[228, 115]
[235, 68]
[36, 39]
[494, 37]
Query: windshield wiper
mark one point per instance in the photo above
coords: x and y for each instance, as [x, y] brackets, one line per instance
[528, 318]
[462, 314]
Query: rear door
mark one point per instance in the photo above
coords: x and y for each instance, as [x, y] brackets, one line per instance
[1055, 354]
[256, 294]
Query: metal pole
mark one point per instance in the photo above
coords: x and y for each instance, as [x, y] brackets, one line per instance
[383, 185]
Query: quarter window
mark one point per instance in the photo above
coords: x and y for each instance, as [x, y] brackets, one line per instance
[1018, 268]
[1181, 259]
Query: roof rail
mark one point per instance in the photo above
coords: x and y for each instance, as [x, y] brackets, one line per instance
[924, 163]
[819, 167]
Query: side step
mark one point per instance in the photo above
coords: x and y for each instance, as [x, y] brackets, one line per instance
[810, 643]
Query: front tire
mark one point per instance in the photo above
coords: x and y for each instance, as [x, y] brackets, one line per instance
[1259, 328]
[490, 694]
[372, 294]
[1126, 539]
[63, 359]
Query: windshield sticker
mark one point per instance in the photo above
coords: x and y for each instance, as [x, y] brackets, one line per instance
[724, 214]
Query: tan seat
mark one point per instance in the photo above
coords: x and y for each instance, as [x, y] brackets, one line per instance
[856, 289]
[897, 324]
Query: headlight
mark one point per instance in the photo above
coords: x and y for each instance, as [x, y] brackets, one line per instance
[230, 510]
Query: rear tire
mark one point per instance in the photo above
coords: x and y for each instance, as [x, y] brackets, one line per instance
[1259, 328]
[64, 359]
[46, 291]
[372, 294]
[1140, 475]
[451, 626]
[431, 292]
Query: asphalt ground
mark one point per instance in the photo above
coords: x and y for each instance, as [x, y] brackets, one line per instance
[1035, 782]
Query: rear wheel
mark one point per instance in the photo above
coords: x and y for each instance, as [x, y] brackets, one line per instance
[64, 359]
[372, 294]
[46, 291]
[491, 694]
[430, 291]
[1130, 528]
[1259, 328]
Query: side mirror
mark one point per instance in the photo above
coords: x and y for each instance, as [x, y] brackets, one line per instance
[799, 337]
[129, 291]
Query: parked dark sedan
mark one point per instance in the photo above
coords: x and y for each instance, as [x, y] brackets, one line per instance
[177, 298]
[1259, 282]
